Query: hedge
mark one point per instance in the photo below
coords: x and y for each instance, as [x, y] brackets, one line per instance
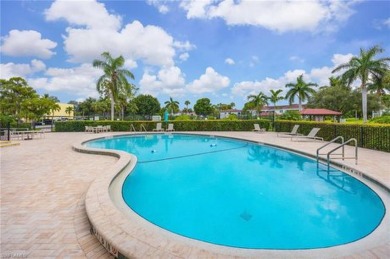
[372, 136]
[192, 125]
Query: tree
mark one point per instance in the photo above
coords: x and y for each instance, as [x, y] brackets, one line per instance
[172, 105]
[86, 107]
[69, 110]
[274, 98]
[147, 105]
[301, 89]
[13, 93]
[364, 67]
[186, 110]
[257, 101]
[36, 107]
[114, 81]
[203, 107]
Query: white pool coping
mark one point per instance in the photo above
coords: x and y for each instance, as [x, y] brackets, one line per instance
[125, 232]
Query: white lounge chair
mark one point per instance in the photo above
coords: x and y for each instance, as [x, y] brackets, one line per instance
[257, 128]
[170, 127]
[311, 136]
[294, 132]
[158, 127]
[89, 129]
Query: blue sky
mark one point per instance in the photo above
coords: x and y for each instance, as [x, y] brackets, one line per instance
[224, 50]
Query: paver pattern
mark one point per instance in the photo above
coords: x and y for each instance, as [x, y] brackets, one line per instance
[44, 183]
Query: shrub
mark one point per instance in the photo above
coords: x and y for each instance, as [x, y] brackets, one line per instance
[381, 120]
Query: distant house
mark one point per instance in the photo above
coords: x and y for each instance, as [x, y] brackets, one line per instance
[224, 114]
[280, 109]
[319, 114]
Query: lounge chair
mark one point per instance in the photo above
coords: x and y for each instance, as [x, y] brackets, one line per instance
[170, 127]
[311, 136]
[158, 127]
[88, 129]
[294, 132]
[257, 128]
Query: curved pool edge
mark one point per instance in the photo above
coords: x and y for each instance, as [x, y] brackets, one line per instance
[124, 232]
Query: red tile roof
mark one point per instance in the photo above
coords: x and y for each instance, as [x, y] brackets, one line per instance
[319, 112]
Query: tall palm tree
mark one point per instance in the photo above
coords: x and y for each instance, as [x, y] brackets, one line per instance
[69, 110]
[172, 105]
[380, 86]
[301, 89]
[258, 101]
[274, 98]
[114, 80]
[364, 67]
[186, 104]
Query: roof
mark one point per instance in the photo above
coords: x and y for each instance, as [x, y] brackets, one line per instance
[319, 112]
[283, 107]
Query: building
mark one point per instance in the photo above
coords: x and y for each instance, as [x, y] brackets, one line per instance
[224, 114]
[280, 109]
[63, 113]
[319, 114]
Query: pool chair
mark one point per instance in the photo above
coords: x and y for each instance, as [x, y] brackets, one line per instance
[257, 128]
[89, 129]
[158, 127]
[294, 132]
[309, 137]
[170, 127]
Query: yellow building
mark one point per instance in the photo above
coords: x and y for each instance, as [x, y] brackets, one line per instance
[64, 112]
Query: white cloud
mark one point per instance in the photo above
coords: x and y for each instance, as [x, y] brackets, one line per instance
[319, 76]
[195, 8]
[79, 80]
[339, 59]
[27, 44]
[387, 23]
[9, 70]
[229, 61]
[246, 88]
[160, 5]
[150, 44]
[209, 82]
[183, 46]
[297, 59]
[169, 80]
[280, 16]
[87, 13]
[184, 56]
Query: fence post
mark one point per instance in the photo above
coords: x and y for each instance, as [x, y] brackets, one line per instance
[8, 131]
[361, 137]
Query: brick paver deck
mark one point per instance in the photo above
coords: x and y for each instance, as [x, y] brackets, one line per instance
[43, 188]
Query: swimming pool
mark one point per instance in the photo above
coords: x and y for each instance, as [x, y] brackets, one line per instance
[241, 194]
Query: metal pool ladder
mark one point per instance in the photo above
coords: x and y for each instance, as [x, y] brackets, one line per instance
[141, 128]
[338, 147]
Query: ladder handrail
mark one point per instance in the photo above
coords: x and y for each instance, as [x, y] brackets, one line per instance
[132, 128]
[342, 145]
[142, 127]
[330, 142]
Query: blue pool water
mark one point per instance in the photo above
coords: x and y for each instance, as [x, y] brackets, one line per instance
[241, 194]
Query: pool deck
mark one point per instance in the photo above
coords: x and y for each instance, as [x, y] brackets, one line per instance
[45, 183]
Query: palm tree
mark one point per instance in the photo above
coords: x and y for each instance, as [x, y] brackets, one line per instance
[172, 105]
[274, 98]
[114, 80]
[301, 89]
[69, 110]
[379, 86]
[258, 101]
[187, 103]
[364, 68]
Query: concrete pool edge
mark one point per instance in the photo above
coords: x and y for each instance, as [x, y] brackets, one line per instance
[124, 232]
